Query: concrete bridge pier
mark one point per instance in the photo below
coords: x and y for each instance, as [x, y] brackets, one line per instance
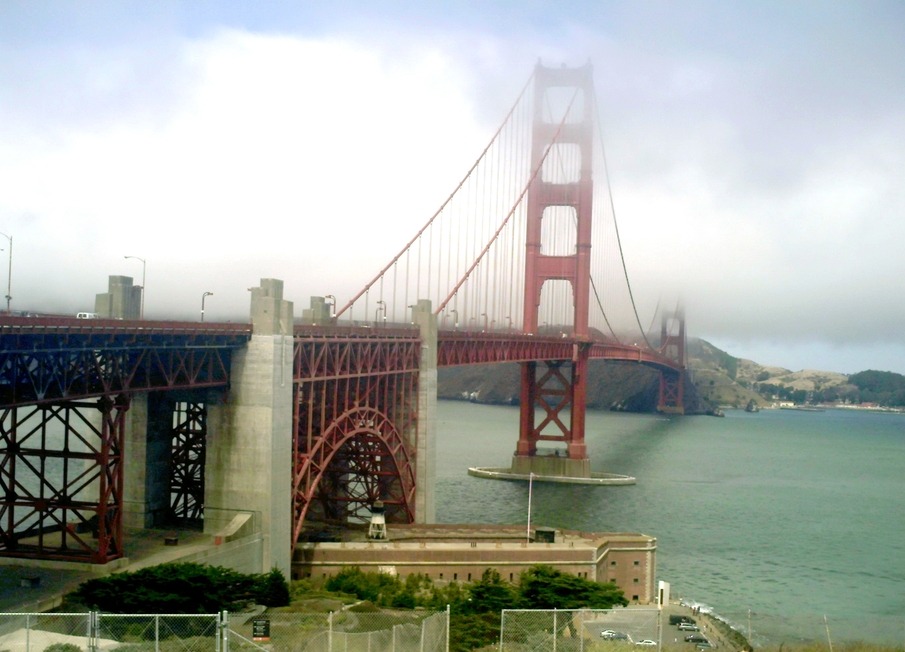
[249, 454]
[426, 436]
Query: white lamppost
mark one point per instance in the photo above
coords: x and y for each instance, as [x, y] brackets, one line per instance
[330, 300]
[144, 265]
[203, 297]
[9, 277]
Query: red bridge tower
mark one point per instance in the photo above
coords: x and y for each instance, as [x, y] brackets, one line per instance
[558, 388]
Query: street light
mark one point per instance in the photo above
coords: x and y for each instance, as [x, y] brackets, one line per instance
[381, 305]
[330, 300]
[203, 297]
[9, 277]
[144, 265]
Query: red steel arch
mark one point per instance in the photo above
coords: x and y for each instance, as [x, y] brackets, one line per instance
[368, 456]
[355, 421]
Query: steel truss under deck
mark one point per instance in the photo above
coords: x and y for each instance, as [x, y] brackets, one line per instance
[355, 421]
[65, 388]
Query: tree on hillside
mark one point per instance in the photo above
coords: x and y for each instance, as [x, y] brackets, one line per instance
[544, 587]
[182, 588]
[883, 387]
[489, 594]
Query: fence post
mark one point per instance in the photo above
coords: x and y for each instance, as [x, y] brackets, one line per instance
[223, 631]
[581, 629]
[92, 631]
[447, 628]
[502, 627]
[555, 630]
[157, 633]
[330, 632]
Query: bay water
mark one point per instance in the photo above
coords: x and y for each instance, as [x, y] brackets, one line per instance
[790, 525]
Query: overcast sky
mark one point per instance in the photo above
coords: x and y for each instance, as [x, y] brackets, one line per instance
[756, 151]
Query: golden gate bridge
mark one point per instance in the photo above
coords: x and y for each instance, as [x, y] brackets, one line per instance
[521, 263]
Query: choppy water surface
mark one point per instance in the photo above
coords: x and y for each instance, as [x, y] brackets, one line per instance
[791, 521]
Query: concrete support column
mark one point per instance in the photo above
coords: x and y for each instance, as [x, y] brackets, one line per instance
[135, 508]
[249, 462]
[426, 437]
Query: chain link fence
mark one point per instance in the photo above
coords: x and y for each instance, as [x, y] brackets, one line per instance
[578, 630]
[344, 631]
[101, 632]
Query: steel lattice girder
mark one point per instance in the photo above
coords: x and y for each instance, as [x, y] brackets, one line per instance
[355, 405]
[61, 477]
[333, 355]
[48, 360]
[361, 458]
[45, 377]
[553, 393]
[672, 392]
[462, 348]
[188, 454]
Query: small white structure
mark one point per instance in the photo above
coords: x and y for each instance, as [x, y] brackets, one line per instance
[377, 529]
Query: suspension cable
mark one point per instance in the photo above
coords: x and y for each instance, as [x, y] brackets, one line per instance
[615, 221]
[445, 203]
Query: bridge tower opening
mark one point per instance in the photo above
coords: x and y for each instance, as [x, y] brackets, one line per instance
[562, 150]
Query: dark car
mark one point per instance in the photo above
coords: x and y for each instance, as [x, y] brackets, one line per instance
[696, 638]
[677, 619]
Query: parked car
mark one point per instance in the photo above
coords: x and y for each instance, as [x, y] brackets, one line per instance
[675, 619]
[696, 638]
[610, 635]
[647, 642]
[704, 645]
[688, 627]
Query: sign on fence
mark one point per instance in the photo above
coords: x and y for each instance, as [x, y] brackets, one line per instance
[260, 629]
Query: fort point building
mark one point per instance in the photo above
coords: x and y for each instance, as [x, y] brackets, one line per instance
[461, 553]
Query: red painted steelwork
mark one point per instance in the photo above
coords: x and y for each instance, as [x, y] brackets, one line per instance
[64, 481]
[463, 348]
[355, 421]
[46, 360]
[575, 268]
[672, 345]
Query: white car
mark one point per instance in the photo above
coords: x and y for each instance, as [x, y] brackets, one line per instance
[647, 642]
